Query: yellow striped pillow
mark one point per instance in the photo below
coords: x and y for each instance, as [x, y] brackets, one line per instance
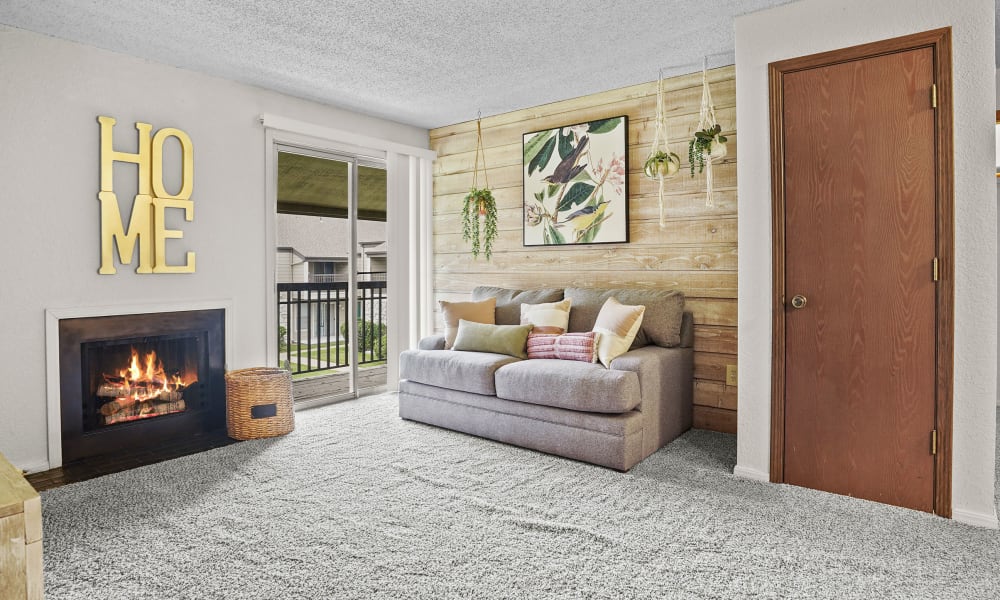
[550, 317]
[618, 325]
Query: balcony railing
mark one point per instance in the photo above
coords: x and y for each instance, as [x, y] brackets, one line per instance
[338, 278]
[312, 324]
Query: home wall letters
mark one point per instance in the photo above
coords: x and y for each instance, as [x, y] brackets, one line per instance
[146, 227]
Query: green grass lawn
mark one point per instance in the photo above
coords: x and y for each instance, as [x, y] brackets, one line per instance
[321, 372]
[334, 354]
[337, 355]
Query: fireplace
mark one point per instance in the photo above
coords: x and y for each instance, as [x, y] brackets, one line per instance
[130, 382]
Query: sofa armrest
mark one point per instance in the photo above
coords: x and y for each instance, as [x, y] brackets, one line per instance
[666, 386]
[431, 342]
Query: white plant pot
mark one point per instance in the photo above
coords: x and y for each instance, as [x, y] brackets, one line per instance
[717, 149]
[662, 169]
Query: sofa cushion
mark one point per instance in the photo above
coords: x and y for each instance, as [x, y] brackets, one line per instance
[498, 339]
[467, 371]
[661, 323]
[479, 312]
[508, 309]
[568, 384]
[623, 424]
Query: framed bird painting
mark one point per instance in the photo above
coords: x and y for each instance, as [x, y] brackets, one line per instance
[576, 184]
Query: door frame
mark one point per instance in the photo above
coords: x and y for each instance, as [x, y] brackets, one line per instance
[939, 40]
[277, 141]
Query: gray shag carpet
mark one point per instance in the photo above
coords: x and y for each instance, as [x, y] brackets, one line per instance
[357, 503]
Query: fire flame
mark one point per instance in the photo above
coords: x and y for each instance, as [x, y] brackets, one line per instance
[146, 378]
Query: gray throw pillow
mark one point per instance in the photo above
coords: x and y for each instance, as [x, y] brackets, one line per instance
[661, 324]
[508, 311]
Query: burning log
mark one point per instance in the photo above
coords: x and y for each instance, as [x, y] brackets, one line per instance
[171, 396]
[111, 389]
[117, 418]
[170, 407]
[117, 405]
[148, 409]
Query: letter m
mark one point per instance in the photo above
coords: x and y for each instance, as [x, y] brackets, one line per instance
[113, 233]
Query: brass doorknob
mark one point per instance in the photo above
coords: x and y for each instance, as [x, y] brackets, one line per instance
[799, 301]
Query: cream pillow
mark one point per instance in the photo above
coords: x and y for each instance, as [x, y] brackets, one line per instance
[482, 311]
[618, 325]
[551, 317]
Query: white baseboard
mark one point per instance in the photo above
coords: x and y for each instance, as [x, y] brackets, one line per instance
[34, 467]
[975, 519]
[752, 474]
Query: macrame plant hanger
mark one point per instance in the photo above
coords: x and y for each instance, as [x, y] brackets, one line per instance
[661, 144]
[479, 210]
[480, 150]
[706, 119]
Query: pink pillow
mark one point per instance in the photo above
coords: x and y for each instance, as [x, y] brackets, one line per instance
[568, 346]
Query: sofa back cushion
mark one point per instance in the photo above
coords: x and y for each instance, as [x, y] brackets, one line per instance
[661, 323]
[508, 309]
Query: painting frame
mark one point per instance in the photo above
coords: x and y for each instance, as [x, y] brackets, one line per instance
[573, 196]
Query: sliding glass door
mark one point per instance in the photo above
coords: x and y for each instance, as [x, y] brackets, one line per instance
[371, 291]
[330, 270]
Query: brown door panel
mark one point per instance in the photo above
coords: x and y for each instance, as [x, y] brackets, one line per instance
[860, 210]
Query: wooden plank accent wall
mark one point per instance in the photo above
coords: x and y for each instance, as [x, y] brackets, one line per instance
[695, 252]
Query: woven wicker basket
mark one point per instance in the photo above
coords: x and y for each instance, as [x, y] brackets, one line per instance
[259, 403]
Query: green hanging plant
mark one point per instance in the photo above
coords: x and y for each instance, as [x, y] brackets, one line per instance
[479, 221]
[708, 142]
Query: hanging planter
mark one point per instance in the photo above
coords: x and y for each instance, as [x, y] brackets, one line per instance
[708, 144]
[479, 210]
[661, 164]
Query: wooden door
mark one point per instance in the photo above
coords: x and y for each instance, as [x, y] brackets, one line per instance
[861, 272]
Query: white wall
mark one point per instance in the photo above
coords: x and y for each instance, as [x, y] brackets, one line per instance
[51, 93]
[819, 25]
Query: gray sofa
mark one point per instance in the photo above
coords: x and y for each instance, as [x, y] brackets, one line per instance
[611, 417]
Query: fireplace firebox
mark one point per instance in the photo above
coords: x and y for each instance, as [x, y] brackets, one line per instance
[129, 382]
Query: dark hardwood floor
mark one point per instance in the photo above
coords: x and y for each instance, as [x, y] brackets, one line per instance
[89, 468]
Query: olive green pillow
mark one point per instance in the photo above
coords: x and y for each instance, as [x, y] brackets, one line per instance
[499, 339]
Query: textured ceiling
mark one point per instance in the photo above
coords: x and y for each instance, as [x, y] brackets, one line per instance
[425, 63]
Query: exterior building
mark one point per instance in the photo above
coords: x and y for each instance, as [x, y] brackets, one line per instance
[316, 250]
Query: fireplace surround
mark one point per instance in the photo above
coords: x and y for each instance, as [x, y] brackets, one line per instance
[128, 382]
